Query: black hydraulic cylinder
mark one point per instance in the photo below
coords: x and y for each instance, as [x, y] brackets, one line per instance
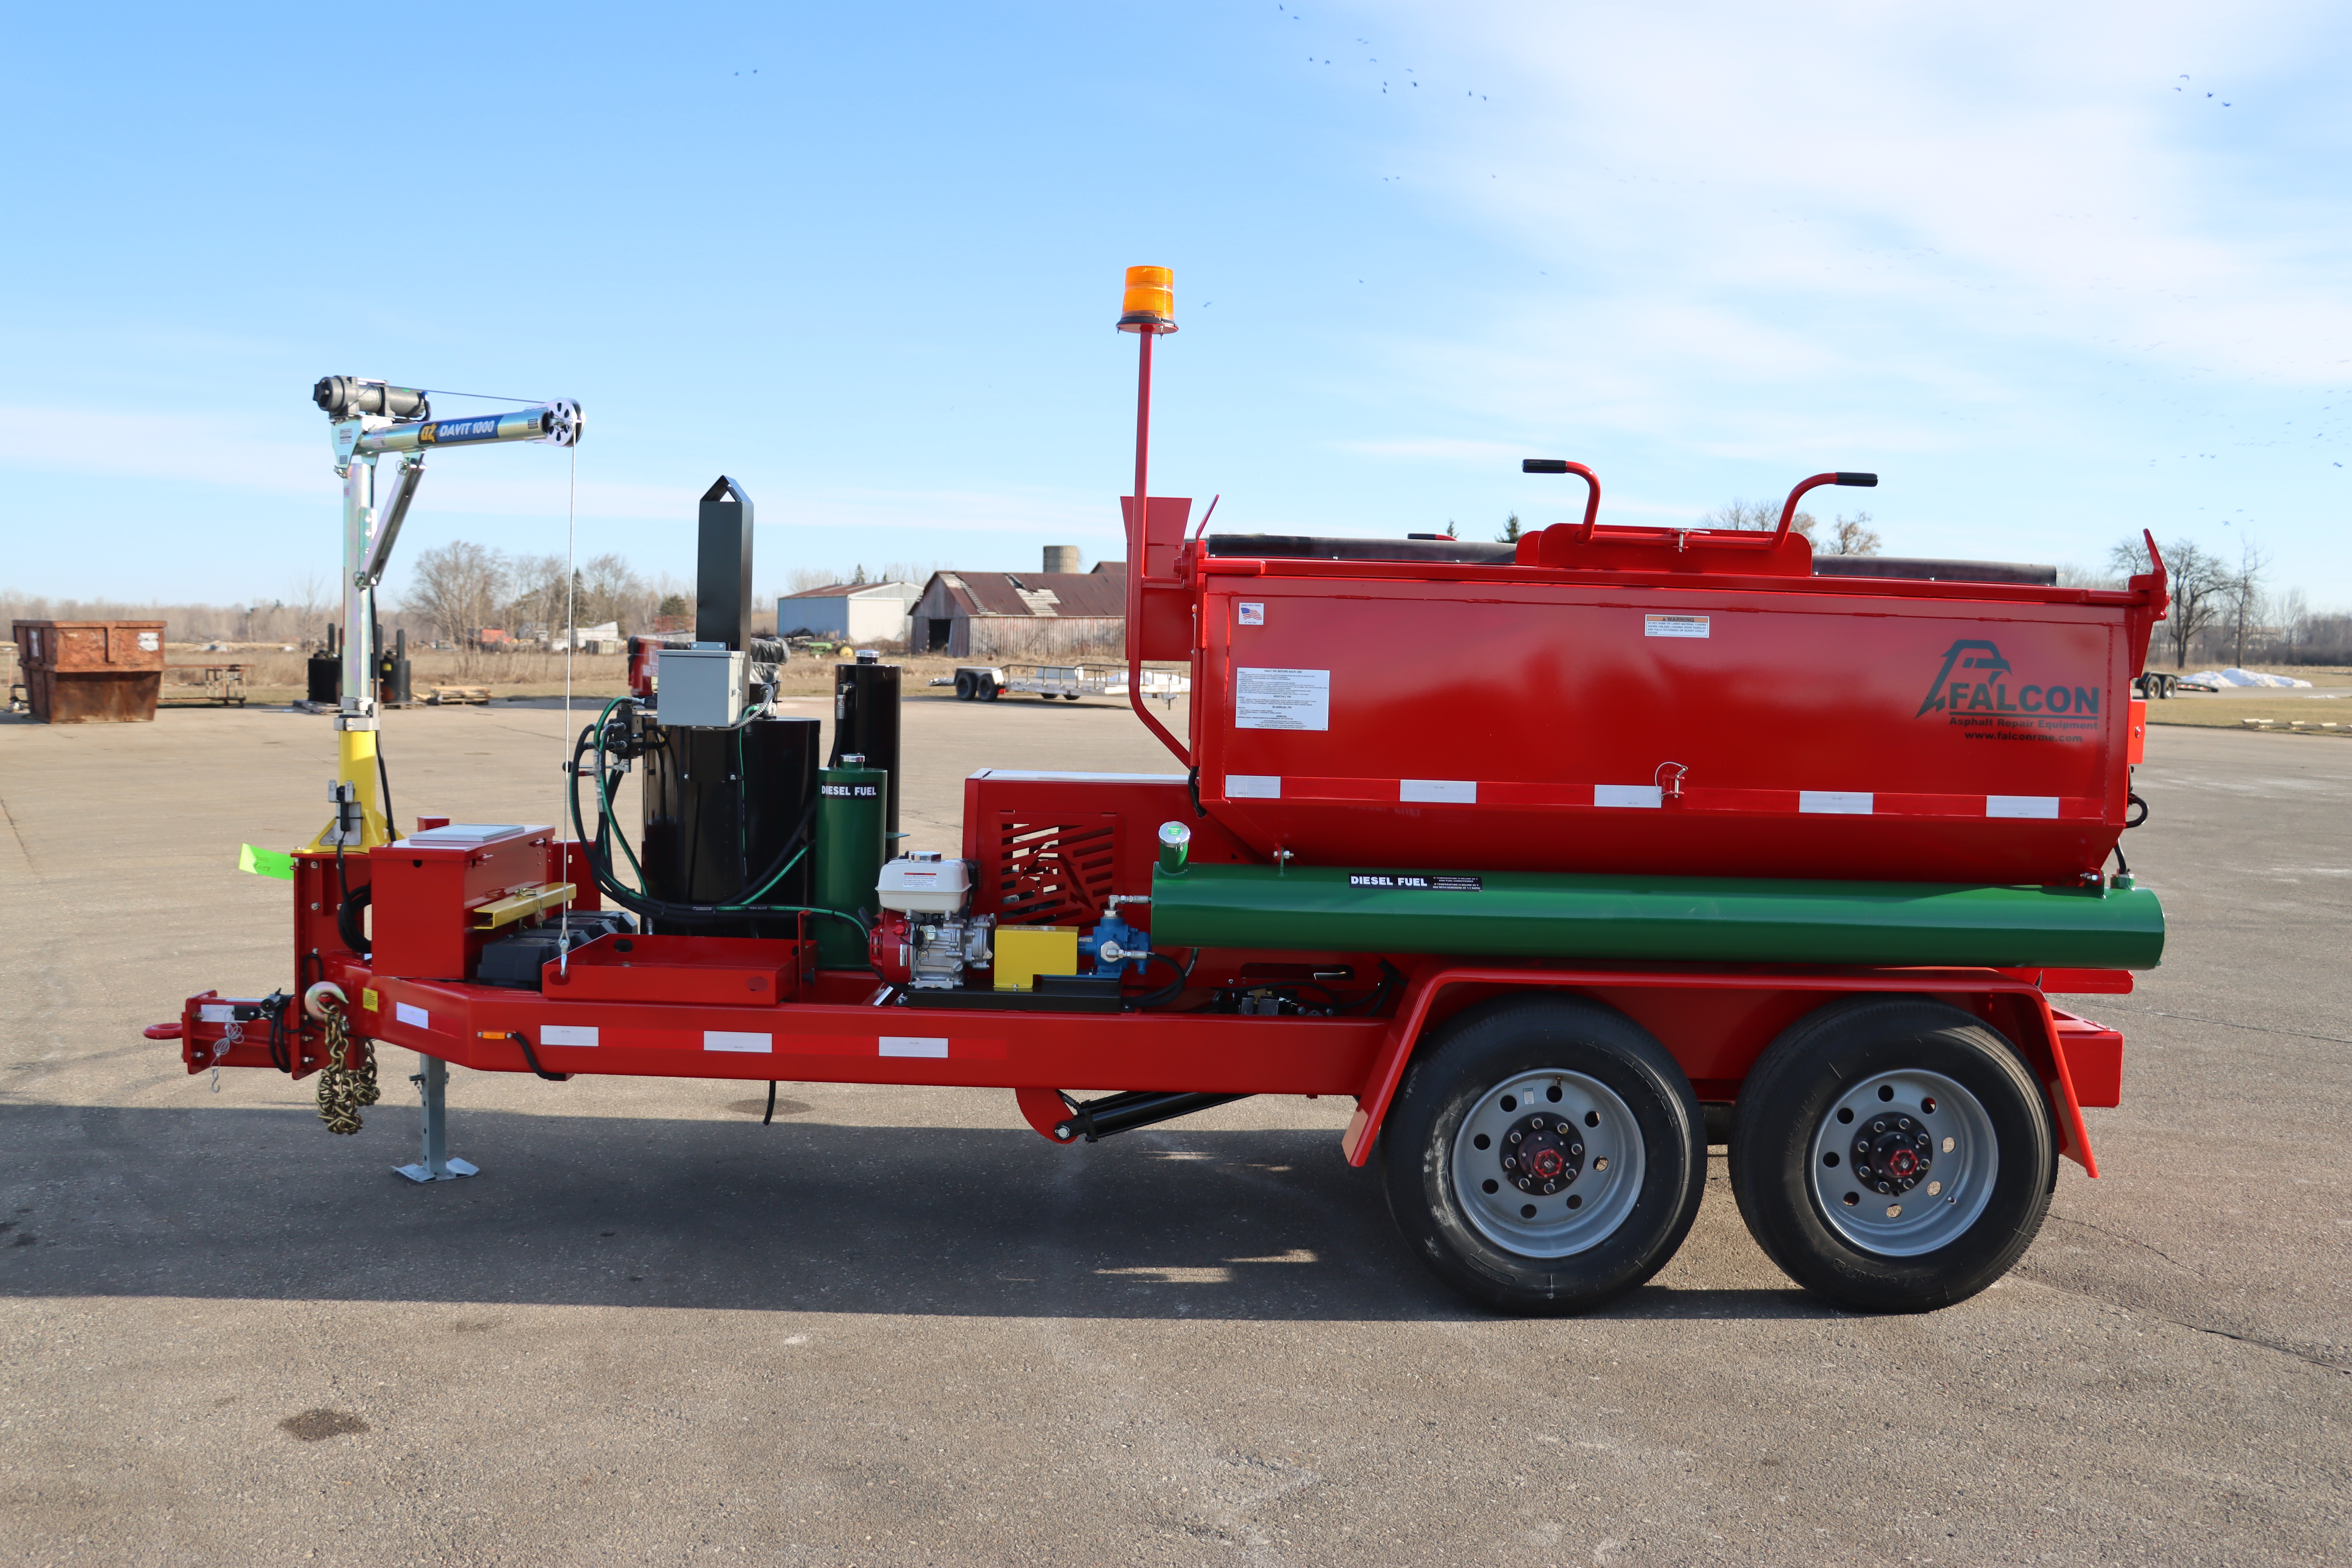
[395, 687]
[865, 724]
[721, 807]
[722, 567]
[326, 672]
[1094, 1120]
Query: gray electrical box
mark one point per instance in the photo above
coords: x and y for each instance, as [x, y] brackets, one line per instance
[702, 688]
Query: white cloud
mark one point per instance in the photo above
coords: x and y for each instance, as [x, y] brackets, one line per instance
[1725, 182]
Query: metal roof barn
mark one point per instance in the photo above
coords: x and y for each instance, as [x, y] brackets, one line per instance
[1023, 614]
[855, 612]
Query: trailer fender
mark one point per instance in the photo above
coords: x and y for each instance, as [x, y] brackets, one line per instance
[2020, 1010]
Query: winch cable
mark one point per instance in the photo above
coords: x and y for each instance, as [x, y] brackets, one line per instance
[571, 652]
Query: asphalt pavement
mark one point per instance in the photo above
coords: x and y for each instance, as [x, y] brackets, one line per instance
[898, 1327]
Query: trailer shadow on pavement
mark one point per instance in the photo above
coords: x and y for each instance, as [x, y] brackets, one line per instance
[262, 1203]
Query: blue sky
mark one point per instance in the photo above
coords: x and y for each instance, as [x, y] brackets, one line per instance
[2014, 257]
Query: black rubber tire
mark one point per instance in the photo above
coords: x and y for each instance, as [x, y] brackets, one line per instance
[986, 685]
[964, 686]
[1069, 697]
[1791, 1089]
[1487, 1044]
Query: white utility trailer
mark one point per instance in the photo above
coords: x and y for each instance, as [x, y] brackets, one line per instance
[987, 682]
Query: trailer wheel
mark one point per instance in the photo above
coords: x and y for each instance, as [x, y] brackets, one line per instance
[964, 686]
[1543, 1155]
[984, 687]
[1892, 1154]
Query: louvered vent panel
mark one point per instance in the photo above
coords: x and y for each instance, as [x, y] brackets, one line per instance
[1054, 873]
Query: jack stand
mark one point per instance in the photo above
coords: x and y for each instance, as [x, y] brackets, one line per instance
[433, 1093]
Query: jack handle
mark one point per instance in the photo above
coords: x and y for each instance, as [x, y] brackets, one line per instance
[1591, 485]
[1789, 512]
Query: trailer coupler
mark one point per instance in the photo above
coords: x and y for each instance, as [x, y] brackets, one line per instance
[1095, 1120]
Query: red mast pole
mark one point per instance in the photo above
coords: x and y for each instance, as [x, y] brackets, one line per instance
[1137, 533]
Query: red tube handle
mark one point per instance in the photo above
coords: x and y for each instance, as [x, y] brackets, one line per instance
[1789, 512]
[1591, 484]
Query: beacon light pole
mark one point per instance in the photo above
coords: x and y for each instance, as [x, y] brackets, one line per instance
[1147, 309]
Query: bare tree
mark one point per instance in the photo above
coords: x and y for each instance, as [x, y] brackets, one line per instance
[1853, 536]
[2200, 586]
[610, 590]
[459, 588]
[1764, 516]
[2245, 592]
[536, 586]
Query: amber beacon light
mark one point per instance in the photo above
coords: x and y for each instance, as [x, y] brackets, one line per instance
[1149, 303]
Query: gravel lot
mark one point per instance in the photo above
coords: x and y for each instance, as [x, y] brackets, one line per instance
[898, 1327]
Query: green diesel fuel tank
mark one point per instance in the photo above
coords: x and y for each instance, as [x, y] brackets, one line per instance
[1686, 918]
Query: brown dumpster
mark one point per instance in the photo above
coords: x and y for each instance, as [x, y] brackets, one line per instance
[79, 672]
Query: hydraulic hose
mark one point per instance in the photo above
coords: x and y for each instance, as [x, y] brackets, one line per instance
[600, 862]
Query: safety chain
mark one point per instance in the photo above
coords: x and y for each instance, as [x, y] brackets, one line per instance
[344, 1091]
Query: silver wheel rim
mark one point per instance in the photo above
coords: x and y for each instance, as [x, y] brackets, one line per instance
[1893, 1211]
[1580, 1212]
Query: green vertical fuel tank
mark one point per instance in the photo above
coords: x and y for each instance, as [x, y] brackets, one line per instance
[852, 813]
[1723, 919]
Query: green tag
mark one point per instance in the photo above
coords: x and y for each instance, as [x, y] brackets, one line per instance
[265, 863]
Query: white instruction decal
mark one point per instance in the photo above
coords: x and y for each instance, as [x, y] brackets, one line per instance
[1281, 698]
[1438, 792]
[934, 1046]
[1674, 626]
[567, 1035]
[1253, 786]
[1253, 615]
[2021, 806]
[1644, 796]
[406, 1013]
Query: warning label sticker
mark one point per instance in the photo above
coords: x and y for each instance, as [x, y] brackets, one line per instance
[1417, 881]
[1674, 626]
[1281, 698]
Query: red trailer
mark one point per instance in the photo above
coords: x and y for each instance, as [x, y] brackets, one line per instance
[1559, 861]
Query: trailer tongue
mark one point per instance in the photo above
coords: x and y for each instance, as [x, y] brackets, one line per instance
[1549, 856]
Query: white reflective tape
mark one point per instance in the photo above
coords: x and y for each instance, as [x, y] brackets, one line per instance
[1835, 802]
[726, 1040]
[935, 1047]
[1253, 786]
[408, 1013]
[2021, 806]
[1649, 795]
[567, 1034]
[216, 1013]
[1439, 792]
